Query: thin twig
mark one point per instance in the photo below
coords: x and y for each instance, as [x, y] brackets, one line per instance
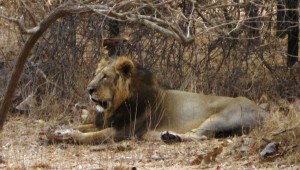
[266, 140]
[190, 19]
[285, 130]
[30, 13]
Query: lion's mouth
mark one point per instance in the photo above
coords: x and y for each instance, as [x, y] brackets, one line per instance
[101, 105]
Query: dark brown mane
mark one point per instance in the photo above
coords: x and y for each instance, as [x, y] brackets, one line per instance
[143, 80]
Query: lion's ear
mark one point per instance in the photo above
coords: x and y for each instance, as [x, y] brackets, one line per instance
[125, 66]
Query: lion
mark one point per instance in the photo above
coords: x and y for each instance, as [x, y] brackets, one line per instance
[130, 103]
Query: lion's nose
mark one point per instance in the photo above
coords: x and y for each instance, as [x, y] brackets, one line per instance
[91, 90]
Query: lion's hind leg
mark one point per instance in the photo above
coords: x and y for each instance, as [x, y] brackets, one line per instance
[221, 126]
[172, 137]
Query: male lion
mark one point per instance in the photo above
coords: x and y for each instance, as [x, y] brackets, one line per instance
[129, 102]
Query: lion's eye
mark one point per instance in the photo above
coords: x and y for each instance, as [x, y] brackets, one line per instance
[104, 77]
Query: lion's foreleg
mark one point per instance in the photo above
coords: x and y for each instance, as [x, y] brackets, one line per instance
[97, 137]
[87, 128]
[76, 136]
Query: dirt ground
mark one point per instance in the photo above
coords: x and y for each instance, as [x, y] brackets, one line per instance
[24, 146]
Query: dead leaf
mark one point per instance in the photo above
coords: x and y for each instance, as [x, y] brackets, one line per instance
[27, 103]
[198, 160]
[216, 152]
[124, 168]
[244, 149]
[121, 148]
[41, 166]
[2, 161]
[219, 167]
[209, 157]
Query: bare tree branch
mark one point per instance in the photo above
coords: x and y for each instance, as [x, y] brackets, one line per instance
[20, 24]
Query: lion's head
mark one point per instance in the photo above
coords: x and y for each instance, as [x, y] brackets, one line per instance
[119, 81]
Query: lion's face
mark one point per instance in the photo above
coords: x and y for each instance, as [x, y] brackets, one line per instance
[111, 84]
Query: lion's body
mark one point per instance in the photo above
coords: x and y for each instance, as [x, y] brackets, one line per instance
[185, 111]
[130, 103]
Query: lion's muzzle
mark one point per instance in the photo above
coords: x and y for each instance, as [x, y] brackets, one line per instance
[101, 104]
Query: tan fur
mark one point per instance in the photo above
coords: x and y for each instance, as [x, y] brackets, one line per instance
[134, 105]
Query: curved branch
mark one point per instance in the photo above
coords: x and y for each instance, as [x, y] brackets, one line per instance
[63, 10]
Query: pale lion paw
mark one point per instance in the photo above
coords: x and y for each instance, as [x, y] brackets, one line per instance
[169, 137]
[65, 135]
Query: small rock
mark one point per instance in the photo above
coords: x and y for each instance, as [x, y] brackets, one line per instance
[270, 149]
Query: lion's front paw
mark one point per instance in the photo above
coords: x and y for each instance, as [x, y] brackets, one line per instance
[169, 137]
[65, 135]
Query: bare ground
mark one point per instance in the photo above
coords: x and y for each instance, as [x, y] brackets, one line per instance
[24, 146]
